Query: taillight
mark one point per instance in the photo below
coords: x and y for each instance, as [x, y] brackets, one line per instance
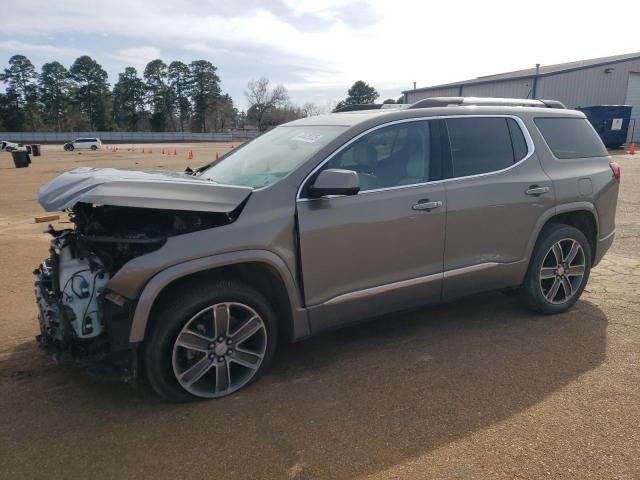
[616, 170]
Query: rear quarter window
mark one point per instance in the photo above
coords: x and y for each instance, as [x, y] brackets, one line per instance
[571, 137]
[480, 145]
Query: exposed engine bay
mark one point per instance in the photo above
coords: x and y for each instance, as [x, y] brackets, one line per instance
[77, 313]
[118, 234]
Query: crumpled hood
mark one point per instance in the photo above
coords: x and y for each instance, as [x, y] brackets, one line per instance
[143, 189]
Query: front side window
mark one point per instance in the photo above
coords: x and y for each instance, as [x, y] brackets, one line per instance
[400, 154]
[483, 145]
[271, 156]
[571, 137]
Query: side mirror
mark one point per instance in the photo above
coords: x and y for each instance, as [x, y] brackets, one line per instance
[335, 181]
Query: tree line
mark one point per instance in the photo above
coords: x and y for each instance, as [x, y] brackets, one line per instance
[173, 97]
[166, 97]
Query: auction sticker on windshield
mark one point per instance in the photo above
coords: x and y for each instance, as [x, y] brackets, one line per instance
[308, 137]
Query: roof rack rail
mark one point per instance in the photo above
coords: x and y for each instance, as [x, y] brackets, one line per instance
[358, 106]
[486, 101]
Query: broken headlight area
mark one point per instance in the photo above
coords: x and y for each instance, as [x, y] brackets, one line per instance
[77, 312]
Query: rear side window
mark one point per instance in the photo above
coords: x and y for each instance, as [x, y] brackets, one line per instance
[482, 145]
[571, 137]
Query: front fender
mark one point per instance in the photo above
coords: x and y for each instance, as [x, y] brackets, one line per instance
[159, 281]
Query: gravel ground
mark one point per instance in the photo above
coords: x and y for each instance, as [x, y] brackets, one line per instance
[474, 389]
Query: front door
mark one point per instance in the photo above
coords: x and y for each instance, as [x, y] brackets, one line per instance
[382, 249]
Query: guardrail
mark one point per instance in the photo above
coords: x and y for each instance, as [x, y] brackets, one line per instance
[143, 137]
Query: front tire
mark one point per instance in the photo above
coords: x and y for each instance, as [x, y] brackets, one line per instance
[212, 341]
[94, 148]
[558, 271]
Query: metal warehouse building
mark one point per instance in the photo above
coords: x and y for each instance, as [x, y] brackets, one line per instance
[599, 81]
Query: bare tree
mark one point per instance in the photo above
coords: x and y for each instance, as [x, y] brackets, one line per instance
[311, 109]
[263, 100]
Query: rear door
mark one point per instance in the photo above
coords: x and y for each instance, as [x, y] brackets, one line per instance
[496, 191]
[382, 249]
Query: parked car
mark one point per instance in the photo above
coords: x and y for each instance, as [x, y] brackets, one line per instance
[316, 224]
[6, 146]
[83, 144]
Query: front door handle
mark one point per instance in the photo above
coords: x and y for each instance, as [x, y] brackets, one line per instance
[426, 205]
[535, 190]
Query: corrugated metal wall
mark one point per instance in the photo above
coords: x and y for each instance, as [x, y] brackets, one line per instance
[413, 97]
[580, 88]
[591, 86]
[505, 89]
[509, 88]
[633, 99]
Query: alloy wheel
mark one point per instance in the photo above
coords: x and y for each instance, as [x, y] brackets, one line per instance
[219, 350]
[562, 271]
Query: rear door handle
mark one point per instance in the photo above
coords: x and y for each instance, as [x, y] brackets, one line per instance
[426, 205]
[536, 190]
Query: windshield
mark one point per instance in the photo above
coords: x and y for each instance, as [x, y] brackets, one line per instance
[271, 156]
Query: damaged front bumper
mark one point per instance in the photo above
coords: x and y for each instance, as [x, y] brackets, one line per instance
[108, 355]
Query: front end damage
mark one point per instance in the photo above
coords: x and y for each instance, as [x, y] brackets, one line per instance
[73, 309]
[77, 312]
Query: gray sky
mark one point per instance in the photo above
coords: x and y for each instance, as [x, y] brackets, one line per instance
[317, 49]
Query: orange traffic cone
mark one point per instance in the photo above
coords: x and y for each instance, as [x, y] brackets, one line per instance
[232, 145]
[163, 151]
[151, 150]
[142, 149]
[189, 155]
[175, 151]
[217, 155]
[632, 150]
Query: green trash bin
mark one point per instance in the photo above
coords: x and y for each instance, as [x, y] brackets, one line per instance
[20, 158]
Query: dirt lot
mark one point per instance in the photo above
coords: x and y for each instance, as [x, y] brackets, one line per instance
[475, 389]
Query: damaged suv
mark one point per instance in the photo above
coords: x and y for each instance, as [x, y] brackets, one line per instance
[193, 278]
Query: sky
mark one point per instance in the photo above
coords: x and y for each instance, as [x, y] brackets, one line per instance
[318, 48]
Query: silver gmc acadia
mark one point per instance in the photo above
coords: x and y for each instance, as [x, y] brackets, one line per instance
[193, 278]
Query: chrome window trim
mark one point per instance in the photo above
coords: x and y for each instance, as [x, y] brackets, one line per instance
[518, 120]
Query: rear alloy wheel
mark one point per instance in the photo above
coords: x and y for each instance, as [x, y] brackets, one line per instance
[94, 148]
[558, 271]
[562, 271]
[219, 350]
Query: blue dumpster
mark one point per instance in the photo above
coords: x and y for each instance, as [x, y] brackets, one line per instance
[610, 121]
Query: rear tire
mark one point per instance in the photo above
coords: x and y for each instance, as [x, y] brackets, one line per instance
[70, 148]
[190, 354]
[94, 148]
[558, 271]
